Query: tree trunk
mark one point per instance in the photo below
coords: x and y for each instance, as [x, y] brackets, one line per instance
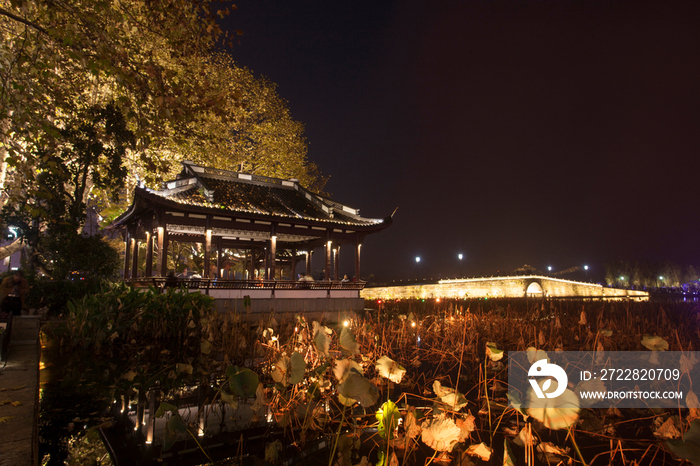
[11, 248]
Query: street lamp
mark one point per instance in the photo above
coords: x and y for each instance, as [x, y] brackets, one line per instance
[460, 256]
[549, 268]
[585, 267]
[417, 259]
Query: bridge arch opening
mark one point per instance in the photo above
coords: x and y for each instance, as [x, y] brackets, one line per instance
[534, 289]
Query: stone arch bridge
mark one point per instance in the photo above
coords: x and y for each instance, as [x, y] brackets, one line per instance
[518, 286]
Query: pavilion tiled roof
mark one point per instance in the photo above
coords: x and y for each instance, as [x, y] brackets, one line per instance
[222, 190]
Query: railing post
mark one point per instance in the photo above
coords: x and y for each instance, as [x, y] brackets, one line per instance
[140, 410]
[152, 407]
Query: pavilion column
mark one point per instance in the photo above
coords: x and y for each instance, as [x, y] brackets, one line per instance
[358, 247]
[273, 251]
[162, 268]
[266, 261]
[251, 270]
[219, 254]
[336, 259]
[294, 265]
[127, 253]
[135, 257]
[329, 246]
[207, 253]
[149, 254]
[309, 256]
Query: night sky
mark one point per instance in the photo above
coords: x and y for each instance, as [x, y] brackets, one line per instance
[554, 133]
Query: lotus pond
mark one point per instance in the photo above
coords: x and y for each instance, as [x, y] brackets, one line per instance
[165, 379]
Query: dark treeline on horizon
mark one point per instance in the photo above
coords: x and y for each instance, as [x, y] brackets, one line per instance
[651, 275]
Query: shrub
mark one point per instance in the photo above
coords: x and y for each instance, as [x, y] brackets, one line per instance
[137, 331]
[72, 255]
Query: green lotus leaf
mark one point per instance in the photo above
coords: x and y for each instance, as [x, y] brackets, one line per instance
[205, 347]
[244, 383]
[654, 343]
[323, 343]
[454, 400]
[272, 452]
[515, 402]
[388, 416]
[298, 366]
[390, 369]
[359, 388]
[176, 424]
[346, 401]
[508, 454]
[164, 408]
[183, 368]
[229, 399]
[533, 354]
[347, 342]
[555, 413]
[169, 438]
[281, 371]
[313, 392]
[343, 367]
[689, 447]
[493, 352]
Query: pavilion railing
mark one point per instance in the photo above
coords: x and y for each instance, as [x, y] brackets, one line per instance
[219, 284]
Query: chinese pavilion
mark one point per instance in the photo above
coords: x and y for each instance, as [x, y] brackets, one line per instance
[276, 222]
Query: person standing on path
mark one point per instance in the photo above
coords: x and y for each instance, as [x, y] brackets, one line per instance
[13, 291]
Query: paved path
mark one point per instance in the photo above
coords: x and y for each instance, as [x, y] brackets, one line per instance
[19, 398]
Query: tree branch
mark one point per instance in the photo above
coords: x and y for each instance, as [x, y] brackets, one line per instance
[11, 248]
[23, 21]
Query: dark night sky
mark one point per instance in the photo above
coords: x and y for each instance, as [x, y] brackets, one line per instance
[554, 133]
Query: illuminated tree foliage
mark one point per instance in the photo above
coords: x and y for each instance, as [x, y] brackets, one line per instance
[151, 63]
[259, 137]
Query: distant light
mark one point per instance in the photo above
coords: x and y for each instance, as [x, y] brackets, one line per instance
[417, 258]
[460, 256]
[346, 323]
[661, 278]
[622, 278]
[585, 267]
[549, 268]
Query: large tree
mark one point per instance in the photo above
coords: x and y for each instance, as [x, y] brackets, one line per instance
[254, 132]
[151, 61]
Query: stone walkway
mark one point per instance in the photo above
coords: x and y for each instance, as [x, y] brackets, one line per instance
[19, 396]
